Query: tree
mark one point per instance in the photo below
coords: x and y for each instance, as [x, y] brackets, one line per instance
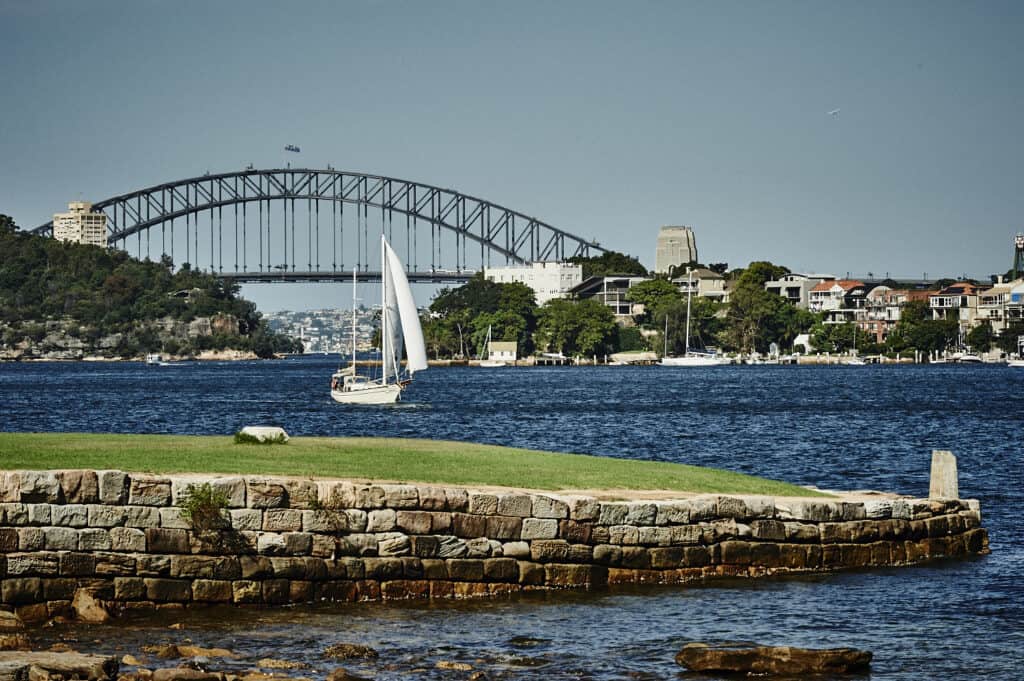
[610, 262]
[653, 293]
[706, 324]
[756, 317]
[583, 327]
[1007, 340]
[981, 337]
[464, 313]
[7, 224]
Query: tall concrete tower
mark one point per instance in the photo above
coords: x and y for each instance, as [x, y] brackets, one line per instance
[1018, 256]
[676, 246]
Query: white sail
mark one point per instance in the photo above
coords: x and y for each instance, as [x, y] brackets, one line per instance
[396, 281]
[391, 327]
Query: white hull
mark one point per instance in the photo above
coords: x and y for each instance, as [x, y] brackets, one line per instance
[691, 361]
[492, 363]
[373, 394]
[1018, 363]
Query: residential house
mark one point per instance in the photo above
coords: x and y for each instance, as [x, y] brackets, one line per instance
[503, 351]
[796, 287]
[612, 291]
[839, 299]
[704, 283]
[957, 301]
[883, 307]
[1002, 305]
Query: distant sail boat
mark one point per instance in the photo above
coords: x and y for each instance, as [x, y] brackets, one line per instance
[400, 326]
[690, 358]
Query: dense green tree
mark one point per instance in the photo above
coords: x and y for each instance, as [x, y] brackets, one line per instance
[608, 263]
[706, 323]
[981, 338]
[840, 338]
[654, 293]
[916, 330]
[462, 316]
[584, 327]
[1008, 339]
[756, 317]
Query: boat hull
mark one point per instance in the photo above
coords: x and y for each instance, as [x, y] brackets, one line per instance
[691, 361]
[378, 394]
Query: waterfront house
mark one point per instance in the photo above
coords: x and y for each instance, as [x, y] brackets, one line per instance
[705, 283]
[1001, 305]
[883, 308]
[547, 279]
[611, 291]
[838, 299]
[796, 287]
[503, 351]
[957, 301]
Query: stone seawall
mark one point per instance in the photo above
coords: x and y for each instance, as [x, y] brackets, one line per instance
[120, 538]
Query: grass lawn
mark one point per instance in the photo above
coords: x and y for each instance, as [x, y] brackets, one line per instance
[406, 460]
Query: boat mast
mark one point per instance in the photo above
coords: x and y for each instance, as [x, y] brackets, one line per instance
[384, 350]
[665, 354]
[689, 293]
[353, 321]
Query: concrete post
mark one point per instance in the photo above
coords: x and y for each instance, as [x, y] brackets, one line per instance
[944, 483]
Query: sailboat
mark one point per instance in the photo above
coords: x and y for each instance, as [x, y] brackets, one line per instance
[690, 358]
[400, 326]
[855, 360]
[488, 362]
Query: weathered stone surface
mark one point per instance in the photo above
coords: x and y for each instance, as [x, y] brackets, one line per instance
[128, 539]
[30, 539]
[539, 528]
[16, 591]
[451, 547]
[466, 569]
[467, 525]
[350, 651]
[456, 499]
[381, 520]
[548, 507]
[514, 504]
[249, 519]
[393, 544]
[301, 494]
[414, 522]
[549, 550]
[160, 540]
[503, 527]
[39, 487]
[39, 514]
[69, 515]
[168, 590]
[79, 486]
[113, 488]
[34, 666]
[654, 536]
[149, 490]
[170, 517]
[265, 493]
[432, 498]
[612, 514]
[369, 496]
[768, 530]
[401, 496]
[14, 513]
[60, 539]
[89, 608]
[33, 564]
[212, 591]
[106, 516]
[483, 504]
[756, 660]
[944, 483]
[282, 520]
[184, 674]
[478, 547]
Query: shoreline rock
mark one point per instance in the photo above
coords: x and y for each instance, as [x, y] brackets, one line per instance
[771, 660]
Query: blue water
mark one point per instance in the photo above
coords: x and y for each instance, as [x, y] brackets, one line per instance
[834, 427]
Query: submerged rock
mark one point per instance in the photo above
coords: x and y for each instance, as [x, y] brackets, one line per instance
[271, 663]
[350, 651]
[454, 666]
[342, 674]
[754, 659]
[88, 608]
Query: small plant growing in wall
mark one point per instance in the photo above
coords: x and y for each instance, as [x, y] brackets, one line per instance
[202, 507]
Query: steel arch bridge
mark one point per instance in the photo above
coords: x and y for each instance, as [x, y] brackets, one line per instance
[208, 221]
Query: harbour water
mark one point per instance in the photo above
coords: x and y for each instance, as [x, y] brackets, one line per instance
[834, 427]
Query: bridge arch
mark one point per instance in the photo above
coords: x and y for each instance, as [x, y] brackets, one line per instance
[457, 222]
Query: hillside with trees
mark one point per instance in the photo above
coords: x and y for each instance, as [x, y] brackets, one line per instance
[64, 301]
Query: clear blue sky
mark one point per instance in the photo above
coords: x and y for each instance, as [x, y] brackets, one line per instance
[607, 119]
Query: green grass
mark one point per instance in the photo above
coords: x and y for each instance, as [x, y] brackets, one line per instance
[407, 460]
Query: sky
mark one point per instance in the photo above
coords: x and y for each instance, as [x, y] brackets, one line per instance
[605, 119]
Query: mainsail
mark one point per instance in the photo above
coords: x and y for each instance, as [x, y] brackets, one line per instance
[398, 297]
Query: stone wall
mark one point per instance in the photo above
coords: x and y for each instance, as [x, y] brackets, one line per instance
[122, 539]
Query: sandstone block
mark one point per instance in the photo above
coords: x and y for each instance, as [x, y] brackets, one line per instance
[212, 591]
[161, 540]
[79, 487]
[672, 513]
[265, 493]
[503, 527]
[357, 545]
[695, 556]
[39, 514]
[655, 536]
[585, 509]
[168, 590]
[250, 519]
[466, 525]
[128, 539]
[666, 558]
[456, 499]
[478, 547]
[10, 488]
[401, 496]
[149, 490]
[549, 508]
[623, 535]
[440, 522]
[323, 547]
[432, 498]
[466, 569]
[515, 549]
[170, 517]
[70, 515]
[641, 514]
[369, 496]
[768, 530]
[255, 567]
[736, 552]
[393, 544]
[531, 574]
[451, 547]
[801, 532]
[574, 532]
[206, 567]
[335, 494]
[20, 591]
[60, 539]
[153, 566]
[282, 520]
[115, 564]
[113, 488]
[540, 528]
[520, 505]
[381, 520]
[501, 569]
[573, 575]
[636, 557]
[944, 483]
[424, 546]
[612, 514]
[271, 543]
[606, 554]
[8, 539]
[39, 487]
[549, 550]
[354, 568]
[383, 568]
[129, 588]
[298, 543]
[414, 522]
[14, 514]
[77, 564]
[106, 516]
[685, 534]
[246, 591]
[31, 539]
[301, 494]
[483, 504]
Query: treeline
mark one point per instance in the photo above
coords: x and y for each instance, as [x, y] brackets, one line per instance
[752, 321]
[107, 293]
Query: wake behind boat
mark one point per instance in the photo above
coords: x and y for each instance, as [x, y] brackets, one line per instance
[400, 326]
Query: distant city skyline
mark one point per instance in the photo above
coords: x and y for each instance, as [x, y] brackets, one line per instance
[827, 137]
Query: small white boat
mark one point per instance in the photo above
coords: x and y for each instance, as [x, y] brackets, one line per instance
[489, 363]
[400, 325]
[154, 359]
[855, 362]
[492, 363]
[969, 358]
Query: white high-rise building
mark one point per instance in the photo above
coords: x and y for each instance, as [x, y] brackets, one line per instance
[547, 279]
[80, 225]
[676, 246]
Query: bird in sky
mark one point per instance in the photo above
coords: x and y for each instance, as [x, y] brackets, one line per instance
[834, 112]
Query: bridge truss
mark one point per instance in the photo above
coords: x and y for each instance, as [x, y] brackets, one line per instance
[291, 224]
